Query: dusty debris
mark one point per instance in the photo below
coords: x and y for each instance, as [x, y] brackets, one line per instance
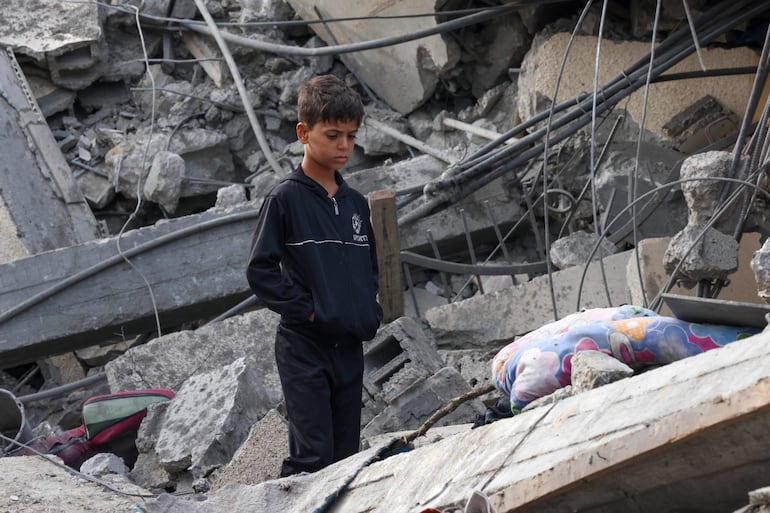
[154, 135]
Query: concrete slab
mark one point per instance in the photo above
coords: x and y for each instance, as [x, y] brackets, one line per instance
[647, 443]
[43, 209]
[405, 75]
[66, 36]
[78, 296]
[541, 69]
[488, 320]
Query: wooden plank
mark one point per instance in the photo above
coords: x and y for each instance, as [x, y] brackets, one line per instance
[59, 301]
[385, 225]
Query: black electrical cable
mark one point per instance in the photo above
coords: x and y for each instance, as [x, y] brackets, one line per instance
[277, 49]
[508, 162]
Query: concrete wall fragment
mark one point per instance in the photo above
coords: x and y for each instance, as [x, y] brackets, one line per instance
[542, 63]
[404, 76]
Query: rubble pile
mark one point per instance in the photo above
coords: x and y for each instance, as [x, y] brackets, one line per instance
[146, 147]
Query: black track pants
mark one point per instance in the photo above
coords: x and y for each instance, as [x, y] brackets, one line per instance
[322, 387]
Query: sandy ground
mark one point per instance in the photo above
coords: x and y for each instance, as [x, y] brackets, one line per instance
[29, 484]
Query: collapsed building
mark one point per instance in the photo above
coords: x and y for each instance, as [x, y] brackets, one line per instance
[533, 169]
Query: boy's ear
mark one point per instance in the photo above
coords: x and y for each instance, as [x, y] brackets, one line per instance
[302, 132]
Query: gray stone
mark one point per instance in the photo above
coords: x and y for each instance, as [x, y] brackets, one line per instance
[576, 248]
[209, 418]
[164, 181]
[592, 369]
[103, 464]
[474, 365]
[709, 257]
[760, 264]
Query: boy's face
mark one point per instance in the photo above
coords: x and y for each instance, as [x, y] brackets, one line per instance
[328, 145]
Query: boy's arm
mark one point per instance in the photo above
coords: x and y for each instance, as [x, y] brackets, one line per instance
[264, 271]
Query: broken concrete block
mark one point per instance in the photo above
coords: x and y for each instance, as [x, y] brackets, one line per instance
[760, 264]
[473, 364]
[167, 361]
[701, 194]
[504, 42]
[50, 97]
[210, 418]
[398, 356]
[376, 142]
[592, 369]
[147, 470]
[97, 189]
[711, 257]
[61, 369]
[415, 405]
[741, 287]
[68, 37]
[576, 248]
[163, 184]
[404, 76]
[260, 456]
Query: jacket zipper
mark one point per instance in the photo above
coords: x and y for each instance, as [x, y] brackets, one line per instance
[336, 208]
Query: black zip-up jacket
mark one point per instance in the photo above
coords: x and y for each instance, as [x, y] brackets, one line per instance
[313, 253]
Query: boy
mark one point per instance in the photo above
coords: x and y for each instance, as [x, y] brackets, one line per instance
[313, 260]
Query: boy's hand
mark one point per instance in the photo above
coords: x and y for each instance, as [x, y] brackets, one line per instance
[312, 317]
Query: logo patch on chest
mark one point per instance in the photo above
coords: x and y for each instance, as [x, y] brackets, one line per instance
[357, 225]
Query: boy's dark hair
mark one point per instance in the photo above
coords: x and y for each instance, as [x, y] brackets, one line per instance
[327, 98]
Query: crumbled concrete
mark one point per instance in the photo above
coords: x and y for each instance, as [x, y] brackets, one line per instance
[260, 456]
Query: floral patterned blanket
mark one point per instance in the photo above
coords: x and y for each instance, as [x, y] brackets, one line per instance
[539, 363]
